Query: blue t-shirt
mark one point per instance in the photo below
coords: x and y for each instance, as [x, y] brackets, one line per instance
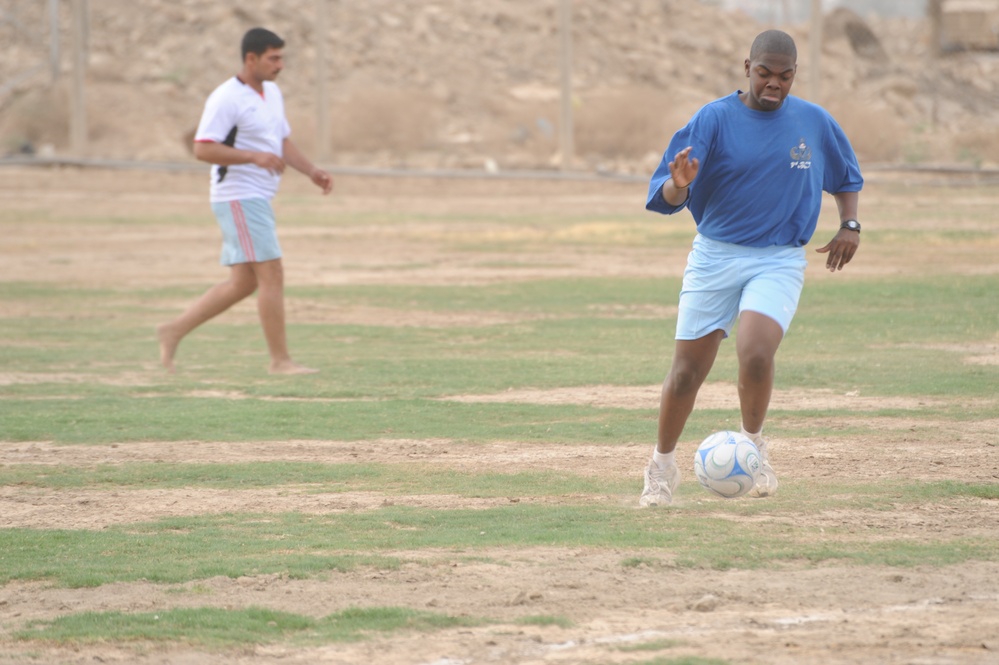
[762, 173]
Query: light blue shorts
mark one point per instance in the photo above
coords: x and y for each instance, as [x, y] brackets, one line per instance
[722, 280]
[249, 231]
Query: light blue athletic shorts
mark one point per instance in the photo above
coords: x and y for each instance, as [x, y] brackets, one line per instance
[722, 280]
[249, 231]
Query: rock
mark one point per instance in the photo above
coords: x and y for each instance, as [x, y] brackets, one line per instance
[706, 603]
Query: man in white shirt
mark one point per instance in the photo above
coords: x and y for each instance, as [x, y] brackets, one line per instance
[244, 134]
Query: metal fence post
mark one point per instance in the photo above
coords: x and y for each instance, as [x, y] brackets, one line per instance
[565, 50]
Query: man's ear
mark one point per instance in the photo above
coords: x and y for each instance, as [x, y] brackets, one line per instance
[747, 68]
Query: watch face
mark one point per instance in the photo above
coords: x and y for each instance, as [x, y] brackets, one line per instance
[853, 225]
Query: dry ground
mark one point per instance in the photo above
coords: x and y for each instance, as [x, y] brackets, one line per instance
[808, 614]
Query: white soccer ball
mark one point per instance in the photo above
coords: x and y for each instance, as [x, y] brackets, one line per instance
[727, 464]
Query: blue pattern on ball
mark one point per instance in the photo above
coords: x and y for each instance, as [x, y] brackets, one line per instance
[720, 471]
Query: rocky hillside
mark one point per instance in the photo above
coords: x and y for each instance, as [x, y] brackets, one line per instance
[468, 83]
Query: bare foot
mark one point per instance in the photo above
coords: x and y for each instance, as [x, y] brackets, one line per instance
[290, 367]
[168, 346]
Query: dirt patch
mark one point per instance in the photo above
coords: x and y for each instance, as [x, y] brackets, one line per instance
[70, 378]
[974, 354]
[97, 509]
[713, 395]
[939, 614]
[960, 455]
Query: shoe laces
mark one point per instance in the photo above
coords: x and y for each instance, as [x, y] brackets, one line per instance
[656, 476]
[761, 445]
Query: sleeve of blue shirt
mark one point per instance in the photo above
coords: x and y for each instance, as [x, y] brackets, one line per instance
[842, 173]
[695, 134]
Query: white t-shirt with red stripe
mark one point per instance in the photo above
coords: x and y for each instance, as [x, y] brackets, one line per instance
[261, 126]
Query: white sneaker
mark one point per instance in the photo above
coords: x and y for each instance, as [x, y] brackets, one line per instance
[659, 485]
[766, 483]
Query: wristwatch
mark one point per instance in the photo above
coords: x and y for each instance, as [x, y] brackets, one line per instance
[850, 225]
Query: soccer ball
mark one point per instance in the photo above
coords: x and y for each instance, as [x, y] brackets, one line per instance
[727, 464]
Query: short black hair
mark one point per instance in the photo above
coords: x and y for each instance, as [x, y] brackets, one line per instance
[258, 40]
[773, 41]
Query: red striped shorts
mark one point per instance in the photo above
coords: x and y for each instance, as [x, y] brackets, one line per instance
[249, 231]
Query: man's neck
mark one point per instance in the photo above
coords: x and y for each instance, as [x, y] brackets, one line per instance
[246, 79]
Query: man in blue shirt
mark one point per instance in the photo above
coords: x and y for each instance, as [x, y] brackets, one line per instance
[751, 168]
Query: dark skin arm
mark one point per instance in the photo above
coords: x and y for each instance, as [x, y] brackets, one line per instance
[683, 169]
[845, 243]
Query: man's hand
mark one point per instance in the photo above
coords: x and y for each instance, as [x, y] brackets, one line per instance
[268, 161]
[840, 249]
[322, 179]
[683, 169]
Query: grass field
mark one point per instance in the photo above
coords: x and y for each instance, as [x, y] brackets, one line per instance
[459, 483]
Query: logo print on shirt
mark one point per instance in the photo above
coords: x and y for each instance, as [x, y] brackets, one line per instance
[801, 155]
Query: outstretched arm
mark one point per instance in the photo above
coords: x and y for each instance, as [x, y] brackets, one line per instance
[297, 160]
[845, 243]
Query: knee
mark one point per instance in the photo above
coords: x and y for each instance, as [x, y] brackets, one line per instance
[684, 379]
[270, 275]
[756, 365]
[245, 286]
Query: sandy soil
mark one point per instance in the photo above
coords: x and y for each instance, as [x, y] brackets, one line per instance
[799, 614]
[475, 84]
